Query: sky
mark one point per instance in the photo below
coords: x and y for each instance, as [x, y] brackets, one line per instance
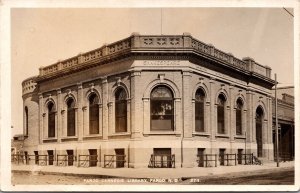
[42, 36]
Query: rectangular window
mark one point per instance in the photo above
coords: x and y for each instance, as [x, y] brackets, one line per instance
[93, 157]
[70, 157]
[71, 123]
[162, 115]
[199, 116]
[94, 120]
[240, 156]
[36, 157]
[201, 157]
[50, 157]
[162, 157]
[222, 157]
[120, 158]
[238, 122]
[221, 120]
[121, 116]
[51, 125]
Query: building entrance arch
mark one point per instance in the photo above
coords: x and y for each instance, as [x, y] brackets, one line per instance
[259, 127]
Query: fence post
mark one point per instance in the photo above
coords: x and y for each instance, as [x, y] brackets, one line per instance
[227, 159]
[205, 160]
[216, 160]
[235, 159]
[252, 159]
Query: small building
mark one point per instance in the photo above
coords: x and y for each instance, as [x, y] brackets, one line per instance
[286, 122]
[149, 101]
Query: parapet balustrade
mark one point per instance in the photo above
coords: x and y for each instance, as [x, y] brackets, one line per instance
[160, 43]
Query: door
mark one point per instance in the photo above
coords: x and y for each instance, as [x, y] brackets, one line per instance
[162, 157]
[70, 157]
[222, 157]
[50, 157]
[93, 157]
[120, 158]
[201, 157]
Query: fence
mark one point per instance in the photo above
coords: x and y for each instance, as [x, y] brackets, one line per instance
[207, 160]
[228, 158]
[162, 161]
[87, 160]
[27, 159]
[284, 157]
[111, 161]
[65, 160]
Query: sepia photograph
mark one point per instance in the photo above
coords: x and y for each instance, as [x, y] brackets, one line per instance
[170, 97]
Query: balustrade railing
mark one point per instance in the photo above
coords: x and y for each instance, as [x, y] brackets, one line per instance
[160, 42]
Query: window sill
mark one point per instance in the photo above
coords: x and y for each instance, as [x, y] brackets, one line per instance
[161, 133]
[120, 134]
[71, 138]
[222, 135]
[201, 134]
[92, 136]
[240, 136]
[49, 140]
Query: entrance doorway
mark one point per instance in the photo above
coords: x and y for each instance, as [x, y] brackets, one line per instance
[259, 127]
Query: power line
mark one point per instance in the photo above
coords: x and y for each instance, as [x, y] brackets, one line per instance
[288, 12]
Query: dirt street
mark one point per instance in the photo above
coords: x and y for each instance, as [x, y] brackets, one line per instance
[283, 176]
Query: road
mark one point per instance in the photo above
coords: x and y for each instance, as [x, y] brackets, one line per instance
[282, 176]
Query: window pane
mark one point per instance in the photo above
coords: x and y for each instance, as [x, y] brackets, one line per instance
[94, 119]
[51, 125]
[161, 115]
[199, 116]
[121, 111]
[238, 122]
[71, 122]
[221, 114]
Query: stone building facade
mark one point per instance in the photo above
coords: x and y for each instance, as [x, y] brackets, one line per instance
[149, 95]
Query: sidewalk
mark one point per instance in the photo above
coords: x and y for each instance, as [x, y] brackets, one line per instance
[148, 172]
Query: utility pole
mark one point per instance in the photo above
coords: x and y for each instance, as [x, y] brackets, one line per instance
[276, 122]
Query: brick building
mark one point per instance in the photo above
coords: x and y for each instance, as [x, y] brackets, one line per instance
[168, 98]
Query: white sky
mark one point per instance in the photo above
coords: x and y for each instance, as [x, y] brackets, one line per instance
[40, 37]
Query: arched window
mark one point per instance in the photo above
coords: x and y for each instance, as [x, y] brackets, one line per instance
[238, 117]
[51, 120]
[259, 126]
[162, 109]
[221, 114]
[199, 110]
[26, 121]
[94, 114]
[121, 110]
[71, 117]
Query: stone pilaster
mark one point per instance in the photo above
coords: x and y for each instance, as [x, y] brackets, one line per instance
[41, 129]
[187, 105]
[135, 123]
[79, 121]
[58, 120]
[105, 108]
